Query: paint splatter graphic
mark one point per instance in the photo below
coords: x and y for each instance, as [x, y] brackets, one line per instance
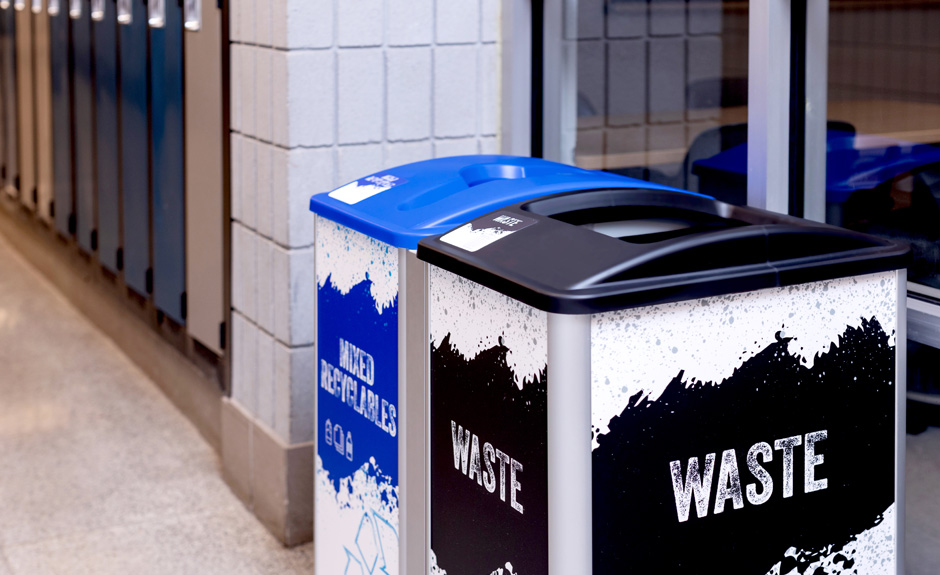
[504, 570]
[489, 389]
[640, 350]
[772, 398]
[871, 552]
[477, 318]
[347, 258]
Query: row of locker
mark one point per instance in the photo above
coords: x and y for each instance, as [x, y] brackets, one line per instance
[112, 131]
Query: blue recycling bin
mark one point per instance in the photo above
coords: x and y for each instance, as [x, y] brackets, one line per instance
[370, 483]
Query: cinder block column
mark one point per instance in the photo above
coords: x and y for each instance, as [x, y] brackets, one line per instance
[324, 92]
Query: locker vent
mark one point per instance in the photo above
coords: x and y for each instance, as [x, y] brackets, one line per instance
[222, 335]
[94, 240]
[149, 280]
[16, 183]
[72, 224]
[183, 305]
[35, 195]
[51, 208]
[3, 172]
[120, 259]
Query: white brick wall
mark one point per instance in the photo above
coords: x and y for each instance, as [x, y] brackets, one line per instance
[324, 92]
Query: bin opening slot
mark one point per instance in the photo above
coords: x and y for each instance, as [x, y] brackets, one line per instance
[646, 224]
[732, 253]
[754, 246]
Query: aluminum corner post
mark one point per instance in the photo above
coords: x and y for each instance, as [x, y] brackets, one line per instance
[517, 77]
[570, 501]
[900, 494]
[768, 114]
[817, 99]
[413, 404]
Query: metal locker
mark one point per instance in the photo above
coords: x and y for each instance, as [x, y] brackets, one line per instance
[104, 28]
[4, 6]
[205, 249]
[83, 91]
[168, 179]
[135, 142]
[44, 154]
[25, 101]
[62, 160]
[10, 168]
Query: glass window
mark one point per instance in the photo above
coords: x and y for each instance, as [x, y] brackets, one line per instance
[883, 134]
[661, 92]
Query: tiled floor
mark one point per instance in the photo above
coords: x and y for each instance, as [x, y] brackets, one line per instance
[99, 473]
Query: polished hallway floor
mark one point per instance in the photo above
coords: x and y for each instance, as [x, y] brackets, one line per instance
[99, 473]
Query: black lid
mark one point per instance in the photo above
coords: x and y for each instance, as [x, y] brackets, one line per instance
[602, 250]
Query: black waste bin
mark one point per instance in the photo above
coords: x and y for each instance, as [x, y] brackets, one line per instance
[625, 381]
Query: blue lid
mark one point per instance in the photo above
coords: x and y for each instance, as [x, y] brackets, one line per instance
[402, 205]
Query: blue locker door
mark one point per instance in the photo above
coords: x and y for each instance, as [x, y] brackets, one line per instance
[84, 94]
[135, 146]
[106, 116]
[10, 124]
[3, 102]
[169, 264]
[61, 122]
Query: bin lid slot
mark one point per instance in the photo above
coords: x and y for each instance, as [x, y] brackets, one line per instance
[646, 224]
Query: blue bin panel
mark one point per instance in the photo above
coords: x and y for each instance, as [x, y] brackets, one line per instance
[61, 122]
[169, 264]
[106, 116]
[84, 93]
[8, 63]
[135, 148]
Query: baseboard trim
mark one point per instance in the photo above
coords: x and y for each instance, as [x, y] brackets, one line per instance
[273, 479]
[195, 394]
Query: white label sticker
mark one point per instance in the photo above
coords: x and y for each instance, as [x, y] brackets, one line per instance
[97, 10]
[4, 4]
[75, 9]
[484, 231]
[20, 5]
[37, 6]
[156, 16]
[192, 15]
[53, 7]
[355, 192]
[125, 11]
